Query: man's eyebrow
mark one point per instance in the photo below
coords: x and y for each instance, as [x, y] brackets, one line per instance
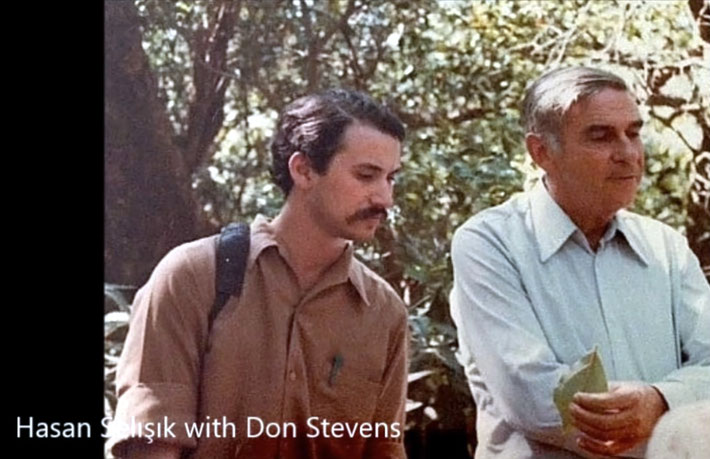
[638, 124]
[375, 168]
[598, 127]
[370, 166]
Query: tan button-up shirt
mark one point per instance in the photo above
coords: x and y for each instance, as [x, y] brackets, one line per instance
[286, 373]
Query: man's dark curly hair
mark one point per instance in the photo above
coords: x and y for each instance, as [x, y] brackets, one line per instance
[314, 125]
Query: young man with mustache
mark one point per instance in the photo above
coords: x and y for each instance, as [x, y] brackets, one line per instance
[311, 359]
[542, 279]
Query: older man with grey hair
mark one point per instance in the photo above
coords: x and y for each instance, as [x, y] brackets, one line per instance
[564, 268]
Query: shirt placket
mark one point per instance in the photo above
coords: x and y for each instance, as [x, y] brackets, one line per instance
[295, 397]
[607, 302]
[294, 379]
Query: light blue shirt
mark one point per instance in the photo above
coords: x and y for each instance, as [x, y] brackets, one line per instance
[531, 297]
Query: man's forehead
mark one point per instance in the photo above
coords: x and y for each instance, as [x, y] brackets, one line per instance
[377, 166]
[606, 107]
[358, 132]
[365, 146]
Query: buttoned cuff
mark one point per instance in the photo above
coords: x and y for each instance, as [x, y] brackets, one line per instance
[153, 412]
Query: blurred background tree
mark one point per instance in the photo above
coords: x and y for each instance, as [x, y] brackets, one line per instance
[193, 89]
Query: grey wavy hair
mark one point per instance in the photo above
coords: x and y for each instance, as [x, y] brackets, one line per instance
[549, 98]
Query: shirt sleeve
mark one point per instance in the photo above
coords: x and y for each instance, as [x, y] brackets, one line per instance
[158, 372]
[498, 327]
[392, 399]
[691, 382]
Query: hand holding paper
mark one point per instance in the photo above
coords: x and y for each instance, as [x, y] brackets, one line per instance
[615, 421]
[612, 417]
[586, 375]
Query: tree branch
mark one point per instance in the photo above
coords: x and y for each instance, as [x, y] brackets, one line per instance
[667, 122]
[316, 44]
[310, 69]
[206, 112]
[701, 13]
[372, 66]
[355, 59]
[667, 101]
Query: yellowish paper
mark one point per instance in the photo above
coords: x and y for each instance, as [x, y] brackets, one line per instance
[586, 375]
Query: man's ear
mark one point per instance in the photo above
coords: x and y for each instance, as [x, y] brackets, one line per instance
[300, 169]
[538, 149]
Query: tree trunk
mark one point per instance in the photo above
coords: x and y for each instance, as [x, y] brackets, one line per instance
[149, 207]
[698, 226]
[698, 229]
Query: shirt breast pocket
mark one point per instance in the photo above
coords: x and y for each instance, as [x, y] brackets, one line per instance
[345, 393]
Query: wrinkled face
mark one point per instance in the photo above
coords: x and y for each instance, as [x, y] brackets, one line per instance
[351, 199]
[601, 160]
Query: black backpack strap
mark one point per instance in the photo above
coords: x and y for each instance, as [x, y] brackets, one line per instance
[232, 255]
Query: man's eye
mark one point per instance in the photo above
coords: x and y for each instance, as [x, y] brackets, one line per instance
[599, 136]
[632, 134]
[365, 177]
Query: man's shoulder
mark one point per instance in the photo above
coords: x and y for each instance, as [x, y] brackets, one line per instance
[652, 238]
[198, 252]
[644, 221]
[496, 221]
[513, 207]
[190, 261]
[649, 228]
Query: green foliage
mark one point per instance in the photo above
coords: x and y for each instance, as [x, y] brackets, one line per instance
[117, 308]
[455, 72]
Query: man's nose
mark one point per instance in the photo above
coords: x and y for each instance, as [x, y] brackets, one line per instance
[627, 149]
[384, 194]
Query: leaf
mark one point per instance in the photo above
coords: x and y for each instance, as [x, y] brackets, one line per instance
[413, 405]
[586, 375]
[418, 375]
[117, 294]
[119, 317]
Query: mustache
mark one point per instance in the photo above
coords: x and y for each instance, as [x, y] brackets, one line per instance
[367, 213]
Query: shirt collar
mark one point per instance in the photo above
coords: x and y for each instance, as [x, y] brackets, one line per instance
[343, 269]
[356, 273]
[552, 226]
[262, 236]
[628, 226]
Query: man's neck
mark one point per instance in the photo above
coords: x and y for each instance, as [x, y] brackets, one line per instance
[310, 251]
[591, 221]
[593, 231]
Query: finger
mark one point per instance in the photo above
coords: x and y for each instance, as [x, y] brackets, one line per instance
[603, 435]
[619, 399]
[608, 421]
[609, 448]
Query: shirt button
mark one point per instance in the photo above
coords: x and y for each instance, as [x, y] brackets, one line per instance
[292, 376]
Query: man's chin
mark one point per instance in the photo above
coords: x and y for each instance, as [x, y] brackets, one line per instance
[622, 203]
[362, 237]
[363, 234]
